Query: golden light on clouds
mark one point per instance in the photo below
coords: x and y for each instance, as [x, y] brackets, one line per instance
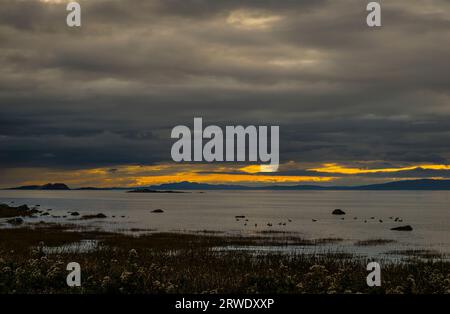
[227, 178]
[252, 20]
[338, 169]
[259, 168]
[54, 1]
[135, 175]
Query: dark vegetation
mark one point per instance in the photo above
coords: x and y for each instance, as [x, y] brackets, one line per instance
[192, 263]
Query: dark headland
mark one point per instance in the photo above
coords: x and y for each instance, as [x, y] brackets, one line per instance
[422, 184]
[48, 186]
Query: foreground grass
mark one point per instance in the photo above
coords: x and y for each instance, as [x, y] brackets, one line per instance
[182, 263]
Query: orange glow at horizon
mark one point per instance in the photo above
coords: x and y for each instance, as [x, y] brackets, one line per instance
[335, 168]
[141, 175]
[135, 175]
[259, 168]
[227, 178]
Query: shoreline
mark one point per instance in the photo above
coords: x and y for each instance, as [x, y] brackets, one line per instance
[263, 241]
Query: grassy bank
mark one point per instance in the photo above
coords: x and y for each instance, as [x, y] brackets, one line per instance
[189, 263]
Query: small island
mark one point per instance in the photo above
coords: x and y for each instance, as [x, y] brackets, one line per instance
[153, 191]
[48, 186]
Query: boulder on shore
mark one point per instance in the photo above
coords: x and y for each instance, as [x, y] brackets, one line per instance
[338, 212]
[94, 216]
[403, 228]
[23, 207]
[15, 221]
[7, 211]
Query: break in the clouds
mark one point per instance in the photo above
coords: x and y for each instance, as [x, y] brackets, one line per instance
[107, 94]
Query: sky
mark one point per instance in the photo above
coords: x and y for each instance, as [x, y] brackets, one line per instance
[95, 105]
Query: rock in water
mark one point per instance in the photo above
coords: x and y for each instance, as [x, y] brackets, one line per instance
[23, 207]
[99, 216]
[403, 228]
[338, 212]
[15, 221]
[157, 211]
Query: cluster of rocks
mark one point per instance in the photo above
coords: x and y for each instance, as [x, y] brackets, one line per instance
[16, 214]
[269, 224]
[339, 211]
[97, 216]
[15, 221]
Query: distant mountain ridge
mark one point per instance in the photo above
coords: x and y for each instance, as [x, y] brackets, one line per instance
[48, 186]
[421, 184]
[185, 185]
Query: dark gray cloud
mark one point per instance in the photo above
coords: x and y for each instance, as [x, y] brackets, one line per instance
[110, 92]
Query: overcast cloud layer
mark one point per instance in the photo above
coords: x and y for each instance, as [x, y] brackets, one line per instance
[109, 93]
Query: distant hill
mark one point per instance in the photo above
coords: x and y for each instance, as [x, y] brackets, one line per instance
[185, 185]
[48, 186]
[91, 188]
[421, 184]
[62, 186]
[198, 186]
[140, 190]
[205, 186]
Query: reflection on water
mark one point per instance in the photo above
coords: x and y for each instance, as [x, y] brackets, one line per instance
[307, 214]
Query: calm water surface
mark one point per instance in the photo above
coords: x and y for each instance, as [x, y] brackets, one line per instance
[427, 212]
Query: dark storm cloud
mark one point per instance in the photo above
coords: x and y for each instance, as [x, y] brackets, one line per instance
[110, 92]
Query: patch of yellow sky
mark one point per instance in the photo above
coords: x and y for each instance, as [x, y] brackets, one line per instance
[252, 19]
[338, 169]
[135, 175]
[53, 1]
[157, 174]
[228, 178]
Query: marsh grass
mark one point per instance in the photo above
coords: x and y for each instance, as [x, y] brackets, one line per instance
[374, 242]
[188, 263]
[429, 254]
